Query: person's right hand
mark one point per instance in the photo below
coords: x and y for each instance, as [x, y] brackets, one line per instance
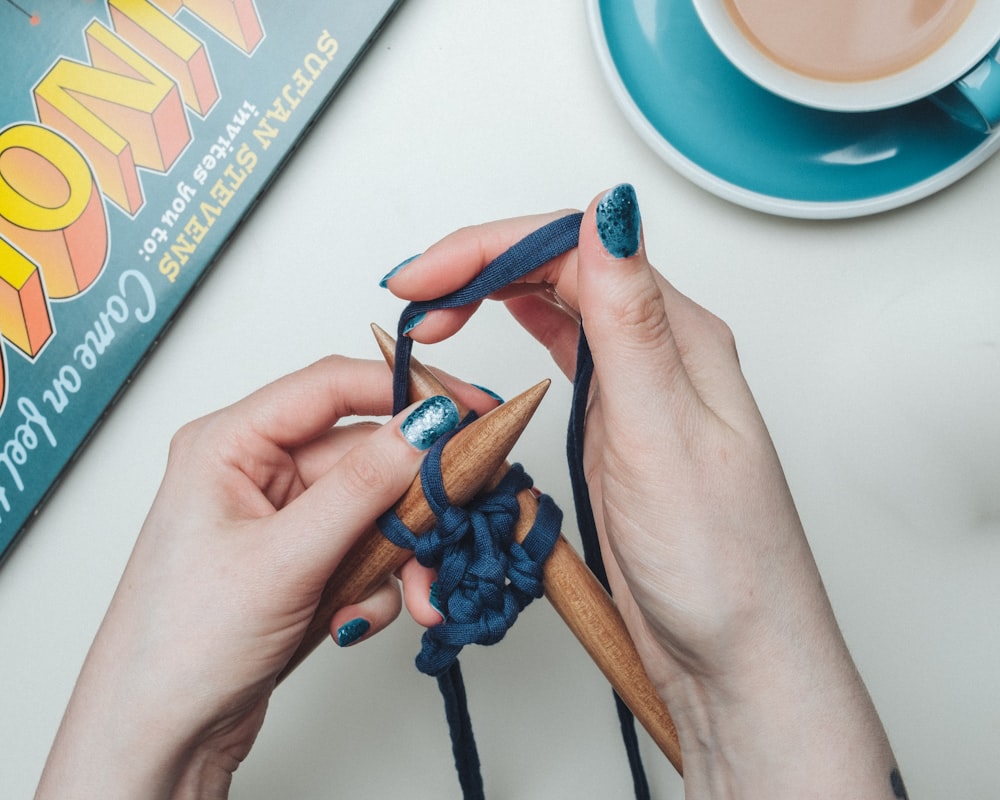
[705, 552]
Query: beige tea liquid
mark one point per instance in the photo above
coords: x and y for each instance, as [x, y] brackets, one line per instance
[848, 40]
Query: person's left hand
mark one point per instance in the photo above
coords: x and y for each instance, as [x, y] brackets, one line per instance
[259, 504]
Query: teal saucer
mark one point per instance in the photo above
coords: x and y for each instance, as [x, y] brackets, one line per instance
[728, 135]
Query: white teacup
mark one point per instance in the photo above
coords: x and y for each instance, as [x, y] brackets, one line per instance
[865, 55]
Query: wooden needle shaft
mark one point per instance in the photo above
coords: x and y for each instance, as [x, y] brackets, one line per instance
[469, 461]
[577, 596]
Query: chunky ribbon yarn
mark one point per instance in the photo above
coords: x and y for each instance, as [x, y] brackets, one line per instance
[484, 577]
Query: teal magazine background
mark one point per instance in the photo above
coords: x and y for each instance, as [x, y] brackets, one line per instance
[164, 231]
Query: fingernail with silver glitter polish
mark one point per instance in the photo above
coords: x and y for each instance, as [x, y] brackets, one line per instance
[618, 221]
[414, 322]
[395, 271]
[429, 421]
[350, 632]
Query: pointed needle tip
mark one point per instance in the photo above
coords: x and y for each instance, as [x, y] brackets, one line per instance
[386, 344]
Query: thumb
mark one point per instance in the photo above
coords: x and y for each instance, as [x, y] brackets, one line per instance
[623, 305]
[321, 524]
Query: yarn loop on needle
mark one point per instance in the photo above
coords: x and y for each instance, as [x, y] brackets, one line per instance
[485, 576]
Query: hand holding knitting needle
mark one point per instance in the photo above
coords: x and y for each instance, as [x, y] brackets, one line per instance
[469, 462]
[705, 552]
[260, 503]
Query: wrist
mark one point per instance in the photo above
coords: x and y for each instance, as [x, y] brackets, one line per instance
[103, 749]
[783, 731]
[100, 752]
[205, 775]
[127, 734]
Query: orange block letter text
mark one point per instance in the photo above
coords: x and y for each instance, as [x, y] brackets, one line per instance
[120, 109]
[51, 209]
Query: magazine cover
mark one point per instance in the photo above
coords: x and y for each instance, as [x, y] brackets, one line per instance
[135, 135]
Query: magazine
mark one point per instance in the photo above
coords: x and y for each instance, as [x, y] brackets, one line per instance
[135, 137]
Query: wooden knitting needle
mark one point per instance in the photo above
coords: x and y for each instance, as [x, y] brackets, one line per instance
[469, 460]
[576, 595]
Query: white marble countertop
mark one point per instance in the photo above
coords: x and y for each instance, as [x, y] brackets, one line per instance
[873, 346]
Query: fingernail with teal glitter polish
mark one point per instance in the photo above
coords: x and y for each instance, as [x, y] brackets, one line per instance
[435, 600]
[618, 221]
[350, 632]
[429, 421]
[395, 271]
[414, 322]
[489, 392]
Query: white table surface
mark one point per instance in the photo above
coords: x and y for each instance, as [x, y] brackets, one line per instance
[873, 346]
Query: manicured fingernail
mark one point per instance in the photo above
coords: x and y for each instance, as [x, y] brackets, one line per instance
[618, 221]
[489, 392]
[429, 421]
[395, 271]
[414, 322]
[436, 601]
[350, 632]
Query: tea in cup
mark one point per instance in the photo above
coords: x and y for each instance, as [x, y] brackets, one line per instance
[866, 55]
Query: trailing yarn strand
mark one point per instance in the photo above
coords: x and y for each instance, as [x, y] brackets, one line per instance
[483, 580]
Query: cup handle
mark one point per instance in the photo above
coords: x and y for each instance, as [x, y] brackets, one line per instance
[974, 99]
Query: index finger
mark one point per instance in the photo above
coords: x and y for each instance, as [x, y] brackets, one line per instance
[299, 407]
[454, 261]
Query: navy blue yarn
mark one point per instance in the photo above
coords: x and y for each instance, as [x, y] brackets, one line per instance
[463, 743]
[485, 577]
[589, 539]
[527, 255]
[442, 643]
